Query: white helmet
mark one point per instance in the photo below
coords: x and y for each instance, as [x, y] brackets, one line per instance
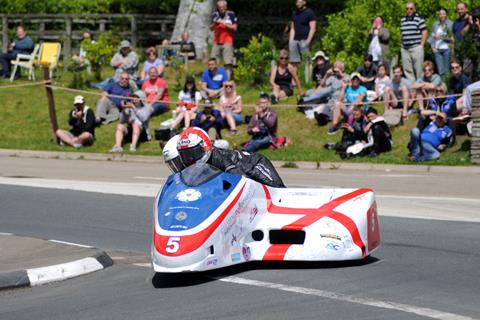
[194, 146]
[171, 156]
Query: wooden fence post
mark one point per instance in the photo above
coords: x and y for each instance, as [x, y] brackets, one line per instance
[133, 30]
[4, 34]
[68, 39]
[51, 103]
[475, 144]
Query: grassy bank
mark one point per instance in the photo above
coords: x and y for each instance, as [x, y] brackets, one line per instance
[24, 124]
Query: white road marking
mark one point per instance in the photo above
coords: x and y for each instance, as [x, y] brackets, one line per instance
[150, 178]
[425, 312]
[426, 198]
[143, 265]
[71, 244]
[6, 234]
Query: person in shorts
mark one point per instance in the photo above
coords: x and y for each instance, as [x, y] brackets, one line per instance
[302, 30]
[224, 25]
[82, 120]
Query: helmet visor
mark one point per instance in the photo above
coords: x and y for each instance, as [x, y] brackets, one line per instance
[191, 155]
[175, 164]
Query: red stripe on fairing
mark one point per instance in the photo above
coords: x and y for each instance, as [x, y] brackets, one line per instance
[312, 215]
[192, 242]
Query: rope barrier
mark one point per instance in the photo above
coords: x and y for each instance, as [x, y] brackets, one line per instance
[100, 94]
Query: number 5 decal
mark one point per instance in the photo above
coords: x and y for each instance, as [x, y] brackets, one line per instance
[173, 244]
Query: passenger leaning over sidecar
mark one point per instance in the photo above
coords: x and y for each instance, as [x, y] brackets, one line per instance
[193, 145]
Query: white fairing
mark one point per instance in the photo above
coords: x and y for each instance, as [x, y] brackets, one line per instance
[336, 224]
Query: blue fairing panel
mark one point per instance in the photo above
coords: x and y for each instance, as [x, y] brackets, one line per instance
[181, 207]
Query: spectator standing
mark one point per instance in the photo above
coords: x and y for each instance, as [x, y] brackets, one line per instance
[426, 85]
[379, 39]
[212, 80]
[224, 25]
[188, 101]
[302, 31]
[210, 120]
[320, 68]
[471, 34]
[152, 61]
[110, 104]
[81, 58]
[351, 95]
[397, 95]
[460, 23]
[156, 91]
[414, 35]
[440, 41]
[367, 72]
[282, 76]
[125, 60]
[82, 120]
[231, 106]
[134, 120]
[426, 145]
[23, 45]
[262, 126]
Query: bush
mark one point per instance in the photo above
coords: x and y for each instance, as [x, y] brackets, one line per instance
[254, 66]
[99, 52]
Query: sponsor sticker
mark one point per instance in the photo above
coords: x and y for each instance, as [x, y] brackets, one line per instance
[331, 236]
[332, 246]
[188, 195]
[212, 262]
[253, 214]
[235, 257]
[180, 216]
[175, 226]
[246, 253]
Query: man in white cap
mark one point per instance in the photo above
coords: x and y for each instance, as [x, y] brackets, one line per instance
[82, 120]
[321, 66]
[125, 60]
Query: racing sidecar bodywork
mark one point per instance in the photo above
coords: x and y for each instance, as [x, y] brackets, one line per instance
[206, 219]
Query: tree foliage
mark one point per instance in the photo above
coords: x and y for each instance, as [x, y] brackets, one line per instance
[346, 35]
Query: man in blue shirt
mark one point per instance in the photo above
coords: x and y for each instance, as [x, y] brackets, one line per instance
[427, 144]
[110, 104]
[24, 45]
[351, 96]
[212, 80]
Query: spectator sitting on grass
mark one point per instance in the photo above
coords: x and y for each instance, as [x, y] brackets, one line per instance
[152, 61]
[378, 134]
[210, 120]
[321, 67]
[382, 81]
[262, 126]
[427, 144]
[156, 90]
[352, 95]
[188, 100]
[458, 81]
[82, 120]
[125, 60]
[426, 85]
[108, 107]
[134, 120]
[397, 95]
[367, 72]
[212, 80]
[231, 106]
[282, 77]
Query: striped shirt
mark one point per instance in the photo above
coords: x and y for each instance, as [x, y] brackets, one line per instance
[411, 29]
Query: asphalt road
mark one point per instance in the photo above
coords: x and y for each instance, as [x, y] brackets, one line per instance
[425, 269]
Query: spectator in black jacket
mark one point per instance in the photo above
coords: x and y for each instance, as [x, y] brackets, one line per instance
[82, 120]
[379, 136]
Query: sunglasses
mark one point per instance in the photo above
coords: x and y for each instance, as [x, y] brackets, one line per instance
[409, 9]
[283, 58]
[228, 86]
[122, 78]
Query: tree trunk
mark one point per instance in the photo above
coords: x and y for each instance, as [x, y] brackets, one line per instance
[194, 17]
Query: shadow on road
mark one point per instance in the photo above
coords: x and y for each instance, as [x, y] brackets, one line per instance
[169, 280]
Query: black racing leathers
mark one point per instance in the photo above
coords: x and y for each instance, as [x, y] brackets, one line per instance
[251, 165]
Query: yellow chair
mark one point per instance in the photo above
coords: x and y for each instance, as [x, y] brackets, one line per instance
[49, 56]
[25, 61]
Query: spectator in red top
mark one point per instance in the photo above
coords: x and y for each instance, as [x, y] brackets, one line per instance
[156, 90]
[224, 25]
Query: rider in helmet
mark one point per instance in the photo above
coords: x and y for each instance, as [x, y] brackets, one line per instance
[194, 146]
[171, 156]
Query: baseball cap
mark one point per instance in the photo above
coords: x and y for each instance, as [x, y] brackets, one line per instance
[355, 74]
[319, 53]
[78, 99]
[124, 44]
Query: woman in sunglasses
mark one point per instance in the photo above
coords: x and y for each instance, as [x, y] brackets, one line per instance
[231, 106]
[152, 61]
[282, 77]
